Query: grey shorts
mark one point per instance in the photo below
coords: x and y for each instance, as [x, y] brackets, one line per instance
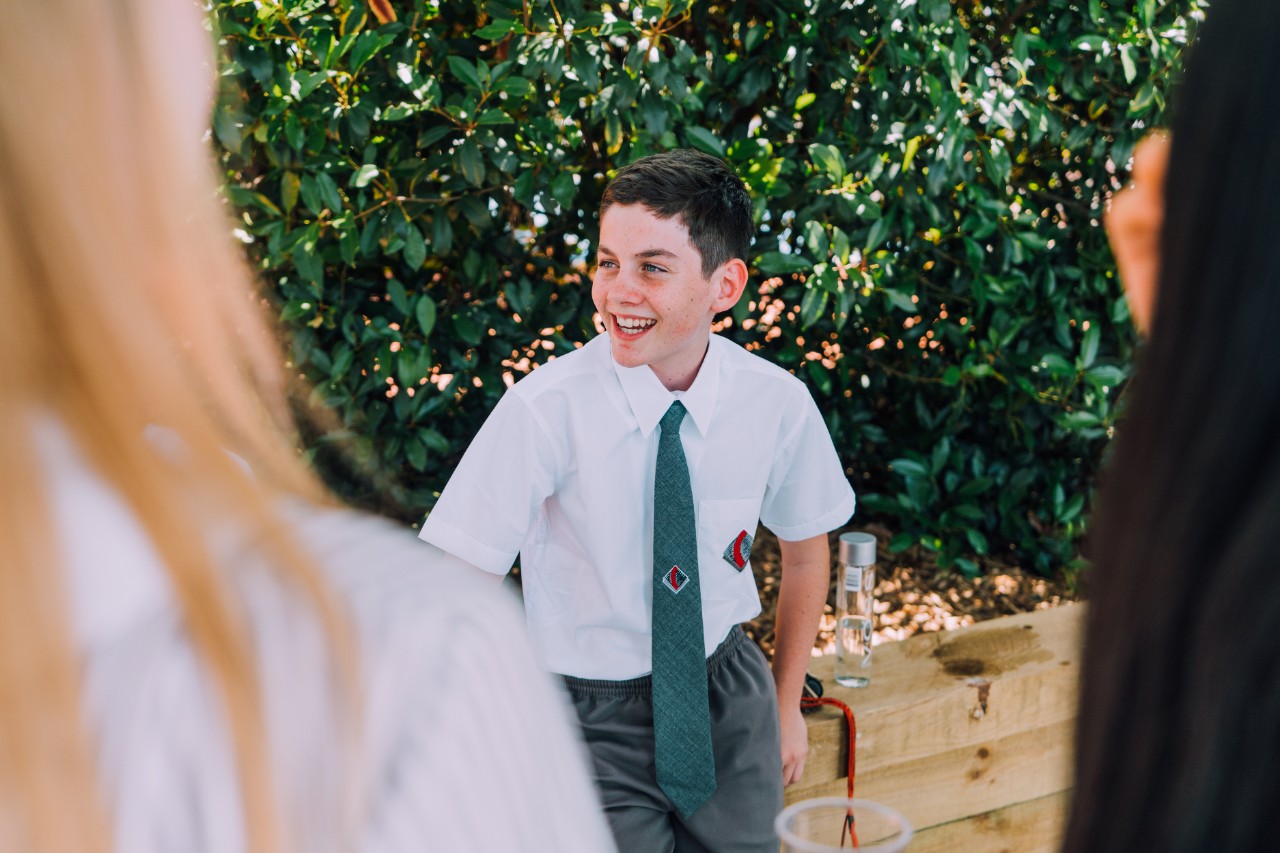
[617, 724]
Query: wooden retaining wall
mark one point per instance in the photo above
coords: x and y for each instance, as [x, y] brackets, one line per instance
[967, 732]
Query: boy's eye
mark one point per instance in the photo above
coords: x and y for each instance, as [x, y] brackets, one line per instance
[605, 264]
[652, 268]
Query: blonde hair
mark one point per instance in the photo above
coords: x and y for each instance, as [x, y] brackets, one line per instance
[123, 303]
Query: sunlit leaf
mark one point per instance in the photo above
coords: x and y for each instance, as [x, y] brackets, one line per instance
[364, 175]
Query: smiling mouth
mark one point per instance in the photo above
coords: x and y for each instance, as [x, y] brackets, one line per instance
[633, 326]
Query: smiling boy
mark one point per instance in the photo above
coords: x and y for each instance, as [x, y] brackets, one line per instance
[572, 470]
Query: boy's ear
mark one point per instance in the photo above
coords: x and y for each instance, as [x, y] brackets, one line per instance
[729, 280]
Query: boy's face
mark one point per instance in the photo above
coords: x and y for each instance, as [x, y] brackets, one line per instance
[652, 297]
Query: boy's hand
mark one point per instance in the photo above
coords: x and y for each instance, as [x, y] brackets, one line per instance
[806, 577]
[795, 743]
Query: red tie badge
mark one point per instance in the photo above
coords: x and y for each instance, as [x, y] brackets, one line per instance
[739, 551]
[675, 579]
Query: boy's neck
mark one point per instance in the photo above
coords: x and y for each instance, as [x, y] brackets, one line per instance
[685, 380]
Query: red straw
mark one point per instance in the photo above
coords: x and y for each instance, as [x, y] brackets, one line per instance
[849, 830]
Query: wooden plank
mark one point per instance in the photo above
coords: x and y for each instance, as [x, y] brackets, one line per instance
[958, 723]
[935, 692]
[1030, 827]
[963, 782]
[959, 783]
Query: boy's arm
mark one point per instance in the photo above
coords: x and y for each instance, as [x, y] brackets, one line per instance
[493, 497]
[806, 580]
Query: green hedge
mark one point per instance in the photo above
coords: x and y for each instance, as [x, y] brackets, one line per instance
[418, 184]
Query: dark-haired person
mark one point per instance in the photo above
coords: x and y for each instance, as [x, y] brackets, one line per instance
[571, 470]
[1179, 731]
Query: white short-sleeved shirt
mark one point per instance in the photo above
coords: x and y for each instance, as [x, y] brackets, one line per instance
[562, 473]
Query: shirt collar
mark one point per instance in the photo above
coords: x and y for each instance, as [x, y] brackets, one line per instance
[649, 399]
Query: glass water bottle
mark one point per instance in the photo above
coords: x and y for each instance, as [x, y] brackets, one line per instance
[855, 609]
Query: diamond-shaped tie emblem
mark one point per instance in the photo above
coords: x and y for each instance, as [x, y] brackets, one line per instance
[675, 579]
[739, 551]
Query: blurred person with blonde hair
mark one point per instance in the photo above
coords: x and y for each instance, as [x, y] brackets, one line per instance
[191, 658]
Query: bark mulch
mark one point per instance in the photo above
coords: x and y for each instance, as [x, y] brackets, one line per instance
[912, 594]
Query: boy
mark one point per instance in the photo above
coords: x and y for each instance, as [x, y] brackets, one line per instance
[630, 475]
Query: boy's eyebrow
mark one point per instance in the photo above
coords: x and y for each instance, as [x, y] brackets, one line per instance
[647, 253]
[655, 253]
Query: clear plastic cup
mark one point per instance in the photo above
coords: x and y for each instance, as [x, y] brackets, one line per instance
[823, 824]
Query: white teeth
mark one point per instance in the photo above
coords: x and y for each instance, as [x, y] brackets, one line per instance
[633, 324]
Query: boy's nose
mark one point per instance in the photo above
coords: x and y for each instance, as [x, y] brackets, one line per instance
[626, 289]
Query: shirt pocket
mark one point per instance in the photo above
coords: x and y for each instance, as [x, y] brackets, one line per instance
[721, 524]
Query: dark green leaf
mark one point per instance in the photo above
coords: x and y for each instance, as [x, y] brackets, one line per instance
[310, 193]
[1056, 364]
[471, 163]
[563, 189]
[441, 234]
[812, 306]
[516, 86]
[909, 468]
[777, 263]
[900, 300]
[399, 298]
[1089, 346]
[308, 262]
[491, 117]
[467, 329]
[939, 11]
[977, 540]
[829, 159]
[426, 313]
[498, 28]
[465, 70]
[1105, 375]
[879, 230]
[701, 138]
[416, 454]
[227, 129]
[434, 441]
[414, 251]
[329, 193]
[367, 44]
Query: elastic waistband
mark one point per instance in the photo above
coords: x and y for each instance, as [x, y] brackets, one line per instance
[643, 686]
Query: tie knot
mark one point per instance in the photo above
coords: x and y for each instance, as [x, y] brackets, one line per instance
[671, 420]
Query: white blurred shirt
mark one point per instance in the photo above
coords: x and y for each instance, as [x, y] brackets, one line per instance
[562, 473]
[465, 745]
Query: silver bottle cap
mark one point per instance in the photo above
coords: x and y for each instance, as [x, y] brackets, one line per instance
[857, 549]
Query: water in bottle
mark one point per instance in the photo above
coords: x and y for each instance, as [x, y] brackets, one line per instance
[855, 609]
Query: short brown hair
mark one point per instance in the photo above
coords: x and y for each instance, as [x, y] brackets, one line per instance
[702, 190]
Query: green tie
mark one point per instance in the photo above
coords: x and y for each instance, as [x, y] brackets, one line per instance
[681, 717]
